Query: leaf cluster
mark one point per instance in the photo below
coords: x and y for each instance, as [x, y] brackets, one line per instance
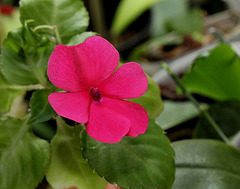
[38, 144]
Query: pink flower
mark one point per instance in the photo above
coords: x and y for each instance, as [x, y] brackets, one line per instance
[95, 92]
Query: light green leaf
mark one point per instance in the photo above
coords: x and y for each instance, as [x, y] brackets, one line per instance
[8, 93]
[190, 22]
[25, 57]
[67, 168]
[202, 164]
[175, 113]
[164, 11]
[146, 161]
[226, 115]
[41, 110]
[8, 23]
[80, 38]
[151, 101]
[128, 11]
[23, 156]
[216, 75]
[70, 16]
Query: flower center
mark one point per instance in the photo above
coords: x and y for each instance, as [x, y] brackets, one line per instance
[96, 94]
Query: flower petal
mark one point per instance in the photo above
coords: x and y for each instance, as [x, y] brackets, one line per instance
[105, 124]
[76, 68]
[129, 81]
[74, 106]
[135, 113]
[113, 119]
[63, 69]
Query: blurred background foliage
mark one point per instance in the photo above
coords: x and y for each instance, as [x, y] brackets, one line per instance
[129, 23]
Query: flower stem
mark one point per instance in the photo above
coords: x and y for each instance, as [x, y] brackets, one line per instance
[203, 111]
[54, 28]
[23, 87]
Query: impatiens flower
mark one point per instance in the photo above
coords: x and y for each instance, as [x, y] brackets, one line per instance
[96, 90]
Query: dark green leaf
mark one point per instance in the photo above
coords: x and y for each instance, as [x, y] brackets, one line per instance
[8, 93]
[216, 75]
[70, 16]
[205, 164]
[146, 161]
[151, 100]
[41, 110]
[23, 156]
[25, 56]
[226, 115]
[68, 169]
[45, 130]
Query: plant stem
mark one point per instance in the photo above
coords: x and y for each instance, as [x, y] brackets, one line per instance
[218, 35]
[203, 111]
[22, 87]
[54, 28]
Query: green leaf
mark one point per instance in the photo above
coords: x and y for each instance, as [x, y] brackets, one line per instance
[162, 12]
[146, 161]
[189, 22]
[175, 113]
[215, 75]
[41, 110]
[151, 101]
[45, 130]
[80, 38]
[226, 115]
[25, 56]
[8, 93]
[128, 11]
[23, 156]
[70, 16]
[67, 168]
[202, 164]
